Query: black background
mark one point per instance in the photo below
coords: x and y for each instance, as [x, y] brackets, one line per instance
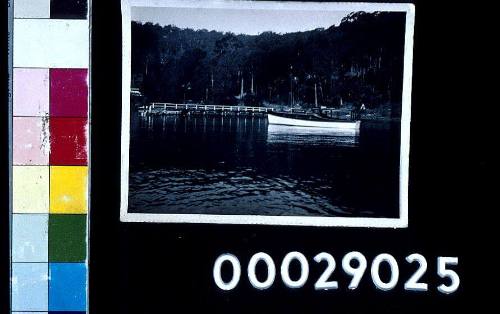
[167, 268]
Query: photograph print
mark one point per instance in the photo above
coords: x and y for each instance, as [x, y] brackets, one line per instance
[262, 112]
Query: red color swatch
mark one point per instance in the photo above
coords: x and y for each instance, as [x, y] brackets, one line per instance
[68, 92]
[68, 141]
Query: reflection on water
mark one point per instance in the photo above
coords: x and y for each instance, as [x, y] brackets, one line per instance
[242, 165]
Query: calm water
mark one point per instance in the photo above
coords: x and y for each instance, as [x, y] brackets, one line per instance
[242, 165]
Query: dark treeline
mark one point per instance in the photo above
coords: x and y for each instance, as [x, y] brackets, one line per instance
[359, 61]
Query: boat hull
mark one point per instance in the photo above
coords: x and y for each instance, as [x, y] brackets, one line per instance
[348, 126]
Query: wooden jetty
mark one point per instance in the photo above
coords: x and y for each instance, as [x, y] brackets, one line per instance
[157, 108]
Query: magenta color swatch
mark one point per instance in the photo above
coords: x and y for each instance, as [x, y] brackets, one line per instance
[31, 141]
[31, 92]
[68, 92]
[68, 141]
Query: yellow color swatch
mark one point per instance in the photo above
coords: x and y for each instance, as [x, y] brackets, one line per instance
[30, 189]
[68, 189]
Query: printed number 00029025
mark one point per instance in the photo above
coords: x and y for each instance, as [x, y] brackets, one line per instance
[451, 280]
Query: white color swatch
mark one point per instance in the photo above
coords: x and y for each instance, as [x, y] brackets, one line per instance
[49, 43]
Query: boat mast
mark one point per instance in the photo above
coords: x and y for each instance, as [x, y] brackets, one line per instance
[251, 88]
[291, 86]
[315, 95]
[241, 91]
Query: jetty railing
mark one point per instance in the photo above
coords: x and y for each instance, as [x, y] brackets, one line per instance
[159, 107]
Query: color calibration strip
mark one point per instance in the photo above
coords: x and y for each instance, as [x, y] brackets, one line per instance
[50, 156]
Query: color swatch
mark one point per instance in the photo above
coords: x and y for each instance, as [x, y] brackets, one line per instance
[72, 228]
[50, 156]
[31, 92]
[68, 92]
[68, 141]
[68, 9]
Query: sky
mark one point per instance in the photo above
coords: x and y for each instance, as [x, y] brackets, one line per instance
[239, 21]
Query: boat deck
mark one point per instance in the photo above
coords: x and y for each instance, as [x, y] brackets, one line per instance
[309, 117]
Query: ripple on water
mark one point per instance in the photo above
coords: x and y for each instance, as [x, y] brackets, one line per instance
[234, 192]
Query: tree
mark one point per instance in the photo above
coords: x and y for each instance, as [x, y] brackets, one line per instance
[358, 61]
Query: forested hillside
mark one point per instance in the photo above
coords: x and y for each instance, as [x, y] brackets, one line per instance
[358, 61]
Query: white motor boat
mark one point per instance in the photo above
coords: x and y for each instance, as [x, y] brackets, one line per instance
[314, 121]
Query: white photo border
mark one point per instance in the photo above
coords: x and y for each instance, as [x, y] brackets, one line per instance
[401, 222]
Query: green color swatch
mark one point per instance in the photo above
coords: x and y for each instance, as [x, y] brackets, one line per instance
[67, 238]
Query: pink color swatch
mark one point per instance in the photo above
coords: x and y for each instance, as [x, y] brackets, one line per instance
[31, 92]
[68, 92]
[31, 141]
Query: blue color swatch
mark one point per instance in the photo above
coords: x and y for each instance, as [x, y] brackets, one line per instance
[67, 287]
[29, 286]
[30, 238]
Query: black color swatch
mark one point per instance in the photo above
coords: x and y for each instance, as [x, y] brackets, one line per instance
[68, 9]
